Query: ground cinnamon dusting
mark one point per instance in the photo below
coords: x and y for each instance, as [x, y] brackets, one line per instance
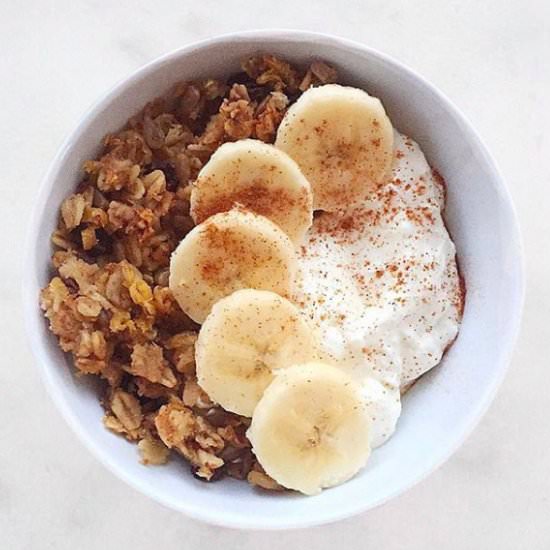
[258, 197]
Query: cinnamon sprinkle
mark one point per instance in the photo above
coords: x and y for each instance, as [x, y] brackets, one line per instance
[258, 197]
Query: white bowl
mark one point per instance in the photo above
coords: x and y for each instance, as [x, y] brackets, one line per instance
[439, 411]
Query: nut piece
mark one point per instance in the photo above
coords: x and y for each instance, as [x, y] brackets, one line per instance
[148, 361]
[175, 424]
[192, 436]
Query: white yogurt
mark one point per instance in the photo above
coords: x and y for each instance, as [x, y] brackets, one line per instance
[380, 283]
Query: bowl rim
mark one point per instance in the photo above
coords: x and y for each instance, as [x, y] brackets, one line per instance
[30, 299]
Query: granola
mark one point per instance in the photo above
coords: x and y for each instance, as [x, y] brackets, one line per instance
[109, 304]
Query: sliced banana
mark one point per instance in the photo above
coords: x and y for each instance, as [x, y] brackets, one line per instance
[311, 428]
[230, 251]
[258, 177]
[342, 140]
[247, 337]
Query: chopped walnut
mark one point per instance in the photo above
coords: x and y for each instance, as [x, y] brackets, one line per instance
[272, 71]
[131, 220]
[238, 113]
[128, 145]
[174, 424]
[148, 362]
[95, 216]
[191, 436]
[113, 174]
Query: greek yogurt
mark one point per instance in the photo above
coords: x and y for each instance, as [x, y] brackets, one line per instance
[380, 283]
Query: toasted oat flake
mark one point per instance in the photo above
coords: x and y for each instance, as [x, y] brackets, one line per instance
[153, 451]
[127, 409]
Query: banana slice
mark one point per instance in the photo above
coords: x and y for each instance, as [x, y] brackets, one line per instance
[342, 140]
[258, 177]
[227, 252]
[310, 429]
[247, 337]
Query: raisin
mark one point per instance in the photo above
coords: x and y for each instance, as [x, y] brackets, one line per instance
[71, 284]
[104, 244]
[122, 352]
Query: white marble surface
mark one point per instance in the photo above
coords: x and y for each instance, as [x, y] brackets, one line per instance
[490, 57]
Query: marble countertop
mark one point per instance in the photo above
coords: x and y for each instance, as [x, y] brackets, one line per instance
[490, 57]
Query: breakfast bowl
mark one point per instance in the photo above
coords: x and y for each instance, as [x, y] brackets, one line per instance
[440, 409]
